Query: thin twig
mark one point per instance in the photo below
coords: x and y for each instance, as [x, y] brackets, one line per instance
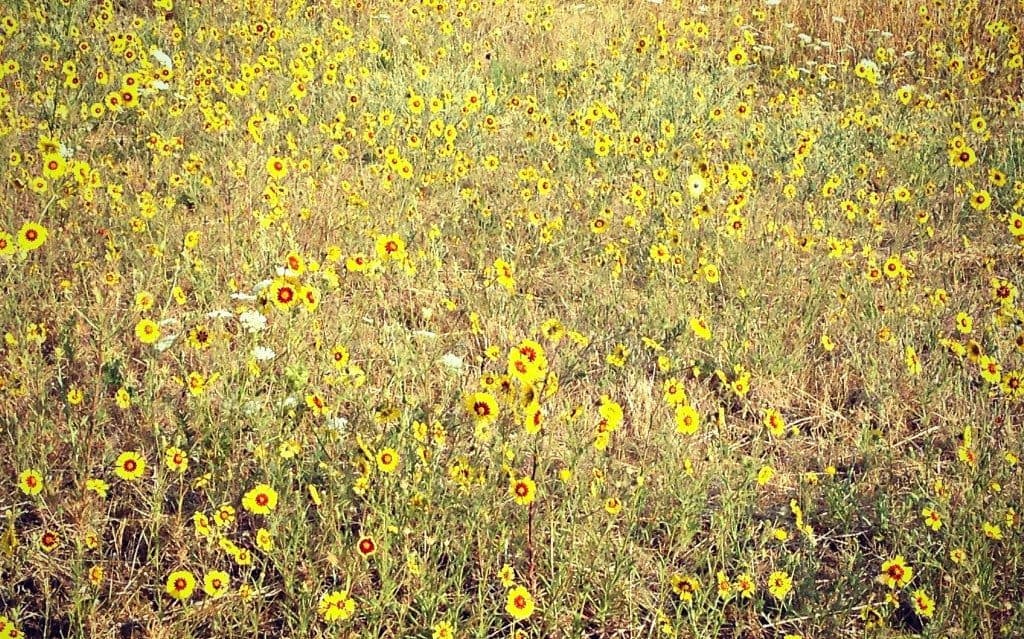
[911, 438]
[827, 613]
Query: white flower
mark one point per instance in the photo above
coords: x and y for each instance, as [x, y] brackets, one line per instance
[263, 353]
[161, 57]
[338, 424]
[452, 361]
[253, 321]
[262, 284]
[165, 342]
[220, 314]
[243, 297]
[251, 408]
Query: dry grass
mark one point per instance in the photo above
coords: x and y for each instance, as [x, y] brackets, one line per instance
[574, 168]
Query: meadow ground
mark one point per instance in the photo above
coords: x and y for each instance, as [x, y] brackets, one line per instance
[511, 319]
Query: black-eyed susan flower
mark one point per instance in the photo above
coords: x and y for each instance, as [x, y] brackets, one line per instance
[533, 418]
[519, 604]
[260, 500]
[1012, 384]
[931, 518]
[289, 449]
[617, 357]
[687, 419]
[216, 583]
[745, 585]
[31, 236]
[723, 586]
[49, 541]
[277, 167]
[523, 490]
[990, 369]
[685, 586]
[30, 482]
[339, 357]
[390, 247]
[992, 531]
[242, 557]
[553, 330]
[912, 361]
[895, 572]
[923, 605]
[387, 460]
[737, 56]
[8, 245]
[224, 516]
[962, 157]
[700, 328]
[201, 524]
[284, 293]
[482, 407]
[673, 391]
[507, 576]
[696, 185]
[265, 540]
[176, 460]
[147, 331]
[779, 584]
[502, 273]
[964, 323]
[336, 606]
[310, 296]
[317, 405]
[130, 465]
[200, 337]
[958, 556]
[774, 422]
[197, 382]
[1015, 225]
[181, 584]
[611, 412]
[1003, 291]
[981, 200]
